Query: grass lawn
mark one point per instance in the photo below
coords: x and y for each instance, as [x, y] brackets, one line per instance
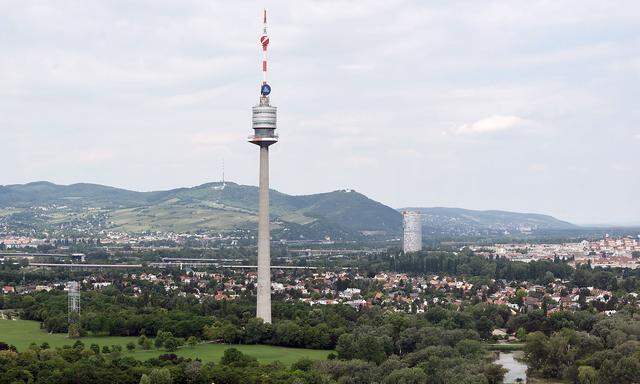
[21, 333]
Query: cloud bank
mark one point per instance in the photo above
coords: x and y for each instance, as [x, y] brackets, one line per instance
[411, 102]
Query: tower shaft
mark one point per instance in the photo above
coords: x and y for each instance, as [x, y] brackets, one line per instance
[264, 122]
[264, 242]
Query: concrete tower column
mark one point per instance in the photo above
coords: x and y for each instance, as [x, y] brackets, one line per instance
[264, 121]
[264, 242]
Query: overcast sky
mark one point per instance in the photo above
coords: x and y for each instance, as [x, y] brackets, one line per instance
[526, 106]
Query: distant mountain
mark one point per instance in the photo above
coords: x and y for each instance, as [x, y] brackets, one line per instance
[211, 206]
[76, 195]
[466, 222]
[343, 214]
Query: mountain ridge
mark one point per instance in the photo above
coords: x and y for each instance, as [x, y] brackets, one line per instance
[209, 206]
[486, 222]
[217, 206]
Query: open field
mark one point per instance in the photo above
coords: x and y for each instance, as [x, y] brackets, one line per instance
[21, 333]
[178, 218]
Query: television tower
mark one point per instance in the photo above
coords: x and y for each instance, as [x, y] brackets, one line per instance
[264, 125]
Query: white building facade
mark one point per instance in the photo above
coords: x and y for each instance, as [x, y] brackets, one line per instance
[412, 239]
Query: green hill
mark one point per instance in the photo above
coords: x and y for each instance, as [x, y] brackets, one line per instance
[458, 221]
[211, 206]
[346, 214]
[76, 195]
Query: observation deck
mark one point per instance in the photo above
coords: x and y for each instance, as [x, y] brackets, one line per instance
[264, 122]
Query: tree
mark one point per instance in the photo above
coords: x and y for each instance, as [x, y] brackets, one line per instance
[235, 358]
[74, 330]
[494, 373]
[406, 376]
[288, 333]
[366, 345]
[160, 376]
[256, 331]
[144, 342]
[536, 350]
[304, 364]
[484, 327]
[161, 338]
[587, 375]
[193, 372]
[171, 344]
[146, 345]
[627, 370]
[470, 348]
[131, 346]
[192, 341]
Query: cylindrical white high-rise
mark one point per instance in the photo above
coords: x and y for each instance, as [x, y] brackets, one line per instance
[412, 236]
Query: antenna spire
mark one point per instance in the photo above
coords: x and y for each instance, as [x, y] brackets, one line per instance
[264, 41]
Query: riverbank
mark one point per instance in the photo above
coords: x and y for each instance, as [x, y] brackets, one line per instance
[506, 347]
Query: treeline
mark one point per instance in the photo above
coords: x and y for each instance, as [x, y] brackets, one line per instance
[77, 364]
[115, 311]
[606, 352]
[464, 363]
[370, 334]
[467, 263]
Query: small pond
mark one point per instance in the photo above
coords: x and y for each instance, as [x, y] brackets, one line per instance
[515, 369]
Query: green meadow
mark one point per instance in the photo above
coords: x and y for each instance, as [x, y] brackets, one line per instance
[21, 333]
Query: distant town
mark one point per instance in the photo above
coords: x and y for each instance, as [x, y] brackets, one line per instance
[623, 252]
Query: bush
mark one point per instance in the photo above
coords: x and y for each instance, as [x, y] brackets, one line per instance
[235, 358]
[171, 344]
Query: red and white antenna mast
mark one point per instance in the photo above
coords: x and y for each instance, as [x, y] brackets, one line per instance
[264, 40]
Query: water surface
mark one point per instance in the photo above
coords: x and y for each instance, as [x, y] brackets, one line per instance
[515, 369]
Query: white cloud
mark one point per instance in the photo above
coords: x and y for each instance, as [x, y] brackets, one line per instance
[492, 124]
[94, 155]
[618, 167]
[217, 139]
[363, 106]
[361, 161]
[537, 167]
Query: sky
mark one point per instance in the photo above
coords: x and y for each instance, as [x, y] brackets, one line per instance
[529, 106]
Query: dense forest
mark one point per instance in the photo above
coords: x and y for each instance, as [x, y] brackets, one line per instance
[606, 351]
